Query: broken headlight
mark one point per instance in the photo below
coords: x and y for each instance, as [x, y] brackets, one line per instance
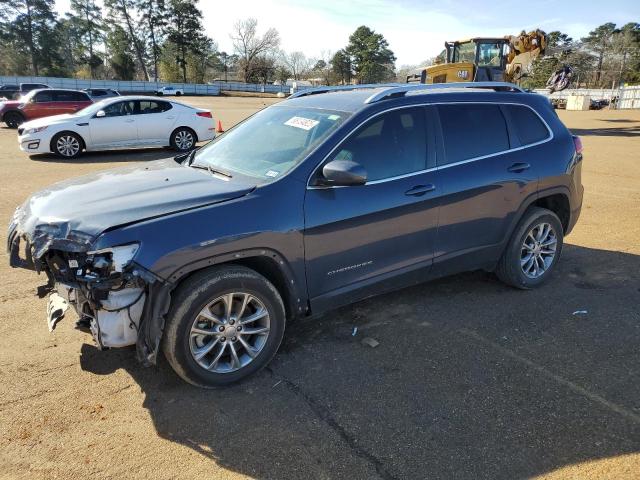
[121, 255]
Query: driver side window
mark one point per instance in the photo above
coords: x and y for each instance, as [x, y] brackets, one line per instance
[119, 109]
[389, 145]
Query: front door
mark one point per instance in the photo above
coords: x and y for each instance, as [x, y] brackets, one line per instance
[358, 236]
[118, 127]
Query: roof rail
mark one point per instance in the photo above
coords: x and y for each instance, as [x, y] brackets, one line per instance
[337, 88]
[400, 89]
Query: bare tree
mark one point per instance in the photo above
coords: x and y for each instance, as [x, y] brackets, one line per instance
[297, 63]
[249, 45]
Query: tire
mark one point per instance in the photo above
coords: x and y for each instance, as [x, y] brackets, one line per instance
[159, 94]
[202, 293]
[516, 266]
[13, 119]
[67, 145]
[178, 94]
[183, 139]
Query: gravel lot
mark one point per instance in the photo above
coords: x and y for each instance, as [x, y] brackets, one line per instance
[471, 379]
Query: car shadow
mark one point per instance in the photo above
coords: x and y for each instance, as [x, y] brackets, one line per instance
[112, 156]
[470, 379]
[608, 132]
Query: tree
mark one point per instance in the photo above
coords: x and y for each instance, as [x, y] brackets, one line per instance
[122, 60]
[86, 19]
[124, 10]
[154, 17]
[223, 62]
[297, 63]
[600, 41]
[250, 46]
[627, 47]
[185, 31]
[371, 58]
[30, 23]
[341, 66]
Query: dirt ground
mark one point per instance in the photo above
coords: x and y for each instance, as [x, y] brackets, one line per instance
[471, 379]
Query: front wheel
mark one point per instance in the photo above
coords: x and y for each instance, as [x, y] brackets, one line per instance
[13, 119]
[224, 324]
[178, 94]
[533, 251]
[66, 145]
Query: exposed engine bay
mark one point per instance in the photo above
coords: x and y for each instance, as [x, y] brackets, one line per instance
[105, 287]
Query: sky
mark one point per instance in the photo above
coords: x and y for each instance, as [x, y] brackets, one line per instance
[415, 29]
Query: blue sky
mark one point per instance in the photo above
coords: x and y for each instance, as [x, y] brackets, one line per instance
[416, 30]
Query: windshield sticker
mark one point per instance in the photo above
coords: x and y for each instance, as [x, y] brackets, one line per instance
[301, 122]
[333, 117]
[272, 173]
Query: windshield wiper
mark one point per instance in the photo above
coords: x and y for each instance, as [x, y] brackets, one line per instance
[211, 170]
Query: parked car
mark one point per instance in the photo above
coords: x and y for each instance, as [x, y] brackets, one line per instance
[8, 91]
[42, 103]
[14, 92]
[170, 91]
[101, 93]
[119, 122]
[316, 202]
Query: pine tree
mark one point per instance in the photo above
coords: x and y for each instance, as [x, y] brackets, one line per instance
[86, 18]
[185, 31]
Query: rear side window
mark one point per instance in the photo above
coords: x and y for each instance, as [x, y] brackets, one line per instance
[389, 145]
[526, 124]
[472, 130]
[147, 106]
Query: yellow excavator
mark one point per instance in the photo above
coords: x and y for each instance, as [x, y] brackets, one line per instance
[485, 59]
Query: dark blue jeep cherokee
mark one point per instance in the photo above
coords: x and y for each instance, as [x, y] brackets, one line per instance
[331, 196]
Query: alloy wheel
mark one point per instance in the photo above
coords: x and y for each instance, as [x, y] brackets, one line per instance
[68, 146]
[538, 250]
[229, 332]
[183, 140]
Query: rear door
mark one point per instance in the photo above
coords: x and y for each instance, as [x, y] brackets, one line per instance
[118, 128]
[156, 121]
[485, 175]
[69, 102]
[358, 236]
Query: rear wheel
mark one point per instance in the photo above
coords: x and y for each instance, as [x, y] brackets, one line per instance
[224, 324]
[13, 119]
[67, 145]
[533, 251]
[178, 94]
[183, 139]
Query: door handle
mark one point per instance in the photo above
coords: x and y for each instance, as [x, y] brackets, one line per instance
[518, 167]
[420, 190]
[129, 120]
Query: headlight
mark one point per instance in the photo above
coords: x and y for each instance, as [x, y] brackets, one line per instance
[35, 130]
[121, 255]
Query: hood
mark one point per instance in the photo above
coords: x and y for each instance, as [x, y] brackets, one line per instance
[83, 207]
[45, 121]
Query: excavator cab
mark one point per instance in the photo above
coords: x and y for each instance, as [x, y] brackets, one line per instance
[473, 60]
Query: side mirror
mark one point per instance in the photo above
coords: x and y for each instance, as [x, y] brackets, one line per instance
[100, 114]
[343, 173]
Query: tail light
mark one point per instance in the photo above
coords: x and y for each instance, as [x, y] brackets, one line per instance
[204, 114]
[578, 143]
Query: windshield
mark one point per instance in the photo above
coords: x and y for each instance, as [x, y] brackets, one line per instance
[270, 143]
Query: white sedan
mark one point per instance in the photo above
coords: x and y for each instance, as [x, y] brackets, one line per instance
[119, 122]
[170, 91]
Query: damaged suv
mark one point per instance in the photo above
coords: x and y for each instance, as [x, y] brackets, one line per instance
[329, 197]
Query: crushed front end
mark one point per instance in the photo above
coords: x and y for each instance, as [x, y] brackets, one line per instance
[106, 287]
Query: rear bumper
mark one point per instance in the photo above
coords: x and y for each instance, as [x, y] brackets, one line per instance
[576, 209]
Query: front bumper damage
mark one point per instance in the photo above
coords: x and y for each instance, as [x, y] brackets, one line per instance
[122, 302]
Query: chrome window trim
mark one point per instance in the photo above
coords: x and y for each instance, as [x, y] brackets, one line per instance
[437, 167]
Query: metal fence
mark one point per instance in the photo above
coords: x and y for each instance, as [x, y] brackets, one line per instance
[142, 87]
[622, 98]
